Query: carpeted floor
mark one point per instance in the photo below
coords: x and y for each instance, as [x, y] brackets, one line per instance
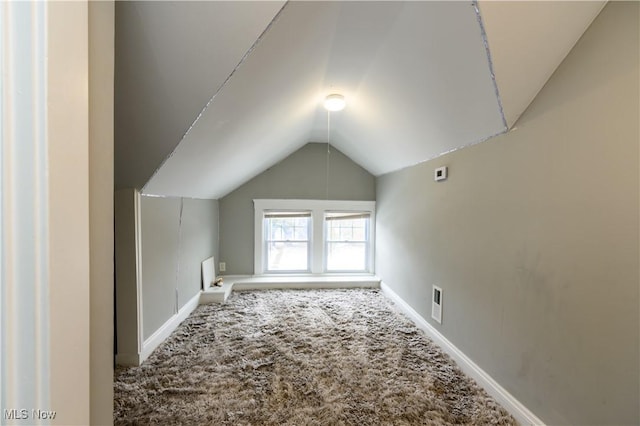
[294, 357]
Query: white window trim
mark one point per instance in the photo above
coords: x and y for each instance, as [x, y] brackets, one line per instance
[317, 209]
[265, 261]
[367, 244]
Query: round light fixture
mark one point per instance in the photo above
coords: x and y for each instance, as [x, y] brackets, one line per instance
[334, 102]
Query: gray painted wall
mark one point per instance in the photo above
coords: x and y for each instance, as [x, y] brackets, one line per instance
[160, 218]
[198, 241]
[302, 175]
[173, 246]
[126, 279]
[534, 238]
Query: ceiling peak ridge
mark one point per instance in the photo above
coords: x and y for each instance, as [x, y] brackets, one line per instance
[485, 42]
[224, 83]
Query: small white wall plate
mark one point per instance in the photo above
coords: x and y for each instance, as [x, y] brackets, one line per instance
[440, 173]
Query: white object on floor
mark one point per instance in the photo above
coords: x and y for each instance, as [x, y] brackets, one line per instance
[215, 294]
[208, 273]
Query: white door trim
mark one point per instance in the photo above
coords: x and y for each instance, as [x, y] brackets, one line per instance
[24, 230]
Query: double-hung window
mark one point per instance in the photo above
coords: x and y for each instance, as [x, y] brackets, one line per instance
[314, 236]
[286, 241]
[346, 241]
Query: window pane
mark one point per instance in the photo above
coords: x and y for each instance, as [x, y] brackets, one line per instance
[287, 228]
[359, 234]
[275, 230]
[345, 231]
[287, 241]
[287, 256]
[347, 241]
[339, 229]
[301, 233]
[346, 256]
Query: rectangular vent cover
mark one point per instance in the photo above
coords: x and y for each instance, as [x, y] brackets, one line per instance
[436, 304]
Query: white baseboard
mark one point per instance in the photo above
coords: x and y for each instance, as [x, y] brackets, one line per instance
[167, 328]
[521, 413]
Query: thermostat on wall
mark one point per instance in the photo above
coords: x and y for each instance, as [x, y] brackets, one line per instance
[440, 173]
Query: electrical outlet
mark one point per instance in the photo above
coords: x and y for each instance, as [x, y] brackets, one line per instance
[222, 266]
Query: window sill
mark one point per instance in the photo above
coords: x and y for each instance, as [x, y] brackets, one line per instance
[302, 281]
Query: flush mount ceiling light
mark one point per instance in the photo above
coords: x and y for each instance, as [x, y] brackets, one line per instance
[334, 102]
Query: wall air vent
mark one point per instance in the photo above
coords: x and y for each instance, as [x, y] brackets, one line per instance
[436, 304]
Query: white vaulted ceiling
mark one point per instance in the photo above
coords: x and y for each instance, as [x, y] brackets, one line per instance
[204, 102]
[171, 57]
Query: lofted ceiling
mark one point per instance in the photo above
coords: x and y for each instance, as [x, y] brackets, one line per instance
[171, 57]
[210, 94]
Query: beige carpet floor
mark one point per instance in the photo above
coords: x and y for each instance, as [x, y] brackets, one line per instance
[301, 357]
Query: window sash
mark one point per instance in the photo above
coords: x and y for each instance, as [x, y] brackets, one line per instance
[271, 244]
[284, 269]
[335, 218]
[331, 263]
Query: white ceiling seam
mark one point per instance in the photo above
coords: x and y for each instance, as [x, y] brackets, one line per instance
[235, 125]
[224, 83]
[174, 197]
[483, 34]
[442, 154]
[447, 34]
[529, 40]
[170, 58]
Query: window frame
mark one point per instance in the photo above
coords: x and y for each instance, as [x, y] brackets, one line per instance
[266, 240]
[366, 242]
[317, 255]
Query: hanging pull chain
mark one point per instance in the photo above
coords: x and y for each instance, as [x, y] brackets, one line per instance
[328, 153]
